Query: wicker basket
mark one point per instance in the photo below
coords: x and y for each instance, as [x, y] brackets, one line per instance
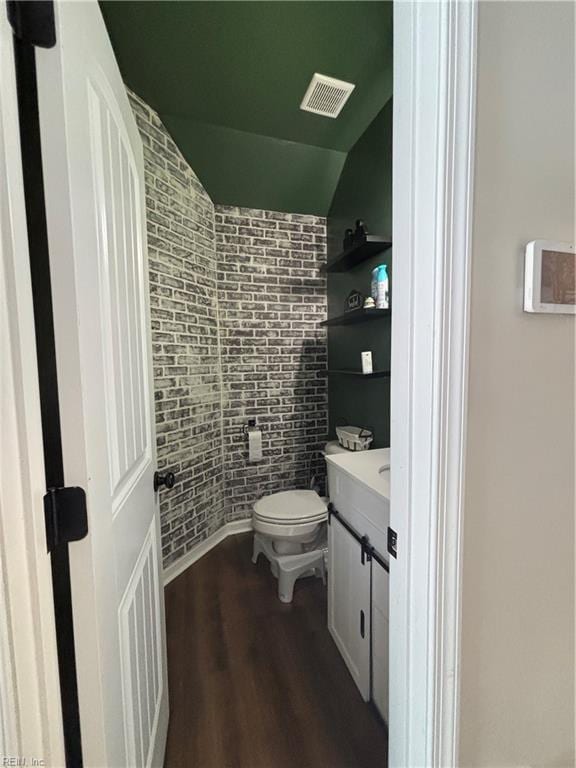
[354, 438]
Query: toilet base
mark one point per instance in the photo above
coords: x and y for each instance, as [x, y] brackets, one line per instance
[289, 567]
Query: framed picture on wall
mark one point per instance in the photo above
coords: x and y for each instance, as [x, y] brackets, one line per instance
[550, 277]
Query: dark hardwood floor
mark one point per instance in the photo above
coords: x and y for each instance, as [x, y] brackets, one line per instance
[255, 683]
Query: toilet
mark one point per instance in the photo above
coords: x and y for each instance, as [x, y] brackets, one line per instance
[289, 529]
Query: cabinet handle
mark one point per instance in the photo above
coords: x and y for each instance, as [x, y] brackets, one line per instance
[362, 622]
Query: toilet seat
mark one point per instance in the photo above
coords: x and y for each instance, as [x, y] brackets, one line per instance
[291, 508]
[293, 521]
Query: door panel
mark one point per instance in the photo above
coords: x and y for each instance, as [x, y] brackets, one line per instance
[348, 597]
[380, 632]
[141, 650]
[94, 182]
[117, 194]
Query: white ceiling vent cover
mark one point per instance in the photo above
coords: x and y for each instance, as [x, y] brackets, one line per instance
[326, 95]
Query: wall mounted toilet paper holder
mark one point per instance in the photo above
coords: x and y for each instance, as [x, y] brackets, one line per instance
[254, 435]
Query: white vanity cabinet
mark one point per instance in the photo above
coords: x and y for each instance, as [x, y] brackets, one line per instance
[358, 585]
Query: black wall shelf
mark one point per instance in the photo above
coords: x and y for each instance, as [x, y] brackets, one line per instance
[349, 372]
[358, 253]
[357, 316]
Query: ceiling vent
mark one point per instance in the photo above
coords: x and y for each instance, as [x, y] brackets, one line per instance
[326, 95]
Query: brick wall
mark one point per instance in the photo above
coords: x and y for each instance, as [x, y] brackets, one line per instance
[272, 297]
[236, 297]
[184, 315]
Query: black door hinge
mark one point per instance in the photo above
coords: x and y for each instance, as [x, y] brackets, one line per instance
[65, 515]
[33, 21]
[392, 543]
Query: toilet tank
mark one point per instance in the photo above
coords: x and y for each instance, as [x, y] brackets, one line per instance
[331, 447]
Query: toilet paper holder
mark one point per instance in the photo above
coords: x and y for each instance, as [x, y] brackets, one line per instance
[254, 441]
[250, 424]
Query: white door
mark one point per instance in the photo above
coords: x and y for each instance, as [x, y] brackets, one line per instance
[94, 184]
[349, 603]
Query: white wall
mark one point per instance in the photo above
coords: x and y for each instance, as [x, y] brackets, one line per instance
[518, 598]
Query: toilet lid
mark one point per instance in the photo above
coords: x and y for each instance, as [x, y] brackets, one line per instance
[291, 507]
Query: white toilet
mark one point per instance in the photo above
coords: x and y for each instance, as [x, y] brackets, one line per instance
[289, 529]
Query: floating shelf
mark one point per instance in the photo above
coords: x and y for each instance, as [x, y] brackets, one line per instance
[356, 316]
[348, 372]
[358, 253]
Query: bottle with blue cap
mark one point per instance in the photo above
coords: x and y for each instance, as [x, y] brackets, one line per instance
[382, 288]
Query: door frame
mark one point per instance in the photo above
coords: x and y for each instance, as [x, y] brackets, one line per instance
[435, 53]
[433, 150]
[30, 714]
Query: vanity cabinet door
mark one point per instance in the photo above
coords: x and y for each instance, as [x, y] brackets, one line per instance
[349, 603]
[380, 628]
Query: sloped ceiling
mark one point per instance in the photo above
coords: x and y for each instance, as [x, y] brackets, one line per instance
[227, 79]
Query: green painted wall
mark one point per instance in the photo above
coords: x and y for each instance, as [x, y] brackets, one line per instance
[364, 191]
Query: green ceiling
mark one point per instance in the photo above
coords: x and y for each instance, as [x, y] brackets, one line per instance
[227, 79]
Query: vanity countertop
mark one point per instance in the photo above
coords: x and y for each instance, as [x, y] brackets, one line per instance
[365, 467]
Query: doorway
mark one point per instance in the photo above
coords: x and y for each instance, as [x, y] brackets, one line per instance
[451, 21]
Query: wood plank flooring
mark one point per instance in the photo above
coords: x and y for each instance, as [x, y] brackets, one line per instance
[255, 683]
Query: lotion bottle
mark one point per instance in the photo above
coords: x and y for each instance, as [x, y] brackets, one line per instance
[383, 295]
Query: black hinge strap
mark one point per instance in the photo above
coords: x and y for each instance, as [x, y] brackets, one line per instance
[65, 515]
[331, 511]
[392, 542]
[33, 21]
[367, 551]
[377, 557]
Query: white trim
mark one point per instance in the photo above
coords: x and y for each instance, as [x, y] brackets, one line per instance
[203, 547]
[9, 725]
[30, 712]
[434, 118]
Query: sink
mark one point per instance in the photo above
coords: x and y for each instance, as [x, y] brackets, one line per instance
[371, 468]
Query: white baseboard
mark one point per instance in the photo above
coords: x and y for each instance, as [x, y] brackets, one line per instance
[203, 547]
